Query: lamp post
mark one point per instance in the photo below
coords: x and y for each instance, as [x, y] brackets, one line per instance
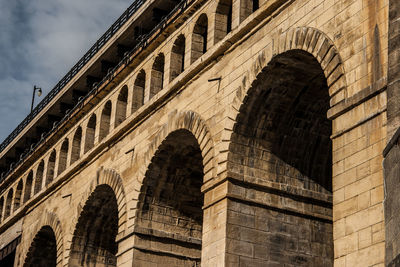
[33, 95]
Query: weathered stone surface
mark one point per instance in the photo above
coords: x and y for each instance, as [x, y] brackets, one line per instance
[213, 146]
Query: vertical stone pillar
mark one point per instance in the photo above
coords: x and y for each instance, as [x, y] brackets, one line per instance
[125, 251]
[131, 90]
[392, 206]
[114, 112]
[82, 144]
[167, 69]
[147, 85]
[247, 224]
[45, 170]
[98, 126]
[69, 154]
[393, 88]
[236, 14]
[211, 28]
[188, 45]
[392, 151]
[214, 227]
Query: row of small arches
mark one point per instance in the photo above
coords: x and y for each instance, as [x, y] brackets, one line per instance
[46, 171]
[199, 42]
[34, 182]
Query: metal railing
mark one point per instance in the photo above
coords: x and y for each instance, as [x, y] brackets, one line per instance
[143, 42]
[75, 69]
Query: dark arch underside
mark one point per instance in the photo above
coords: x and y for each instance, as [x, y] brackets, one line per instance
[94, 243]
[43, 251]
[170, 216]
[282, 140]
[284, 116]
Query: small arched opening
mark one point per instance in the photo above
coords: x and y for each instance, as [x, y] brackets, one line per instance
[51, 164]
[199, 38]
[105, 120]
[223, 20]
[90, 133]
[171, 202]
[122, 103]
[138, 91]
[18, 195]
[157, 75]
[43, 250]
[177, 57]
[28, 186]
[7, 211]
[76, 145]
[93, 243]
[62, 159]
[39, 177]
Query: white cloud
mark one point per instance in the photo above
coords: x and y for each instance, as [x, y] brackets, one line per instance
[40, 41]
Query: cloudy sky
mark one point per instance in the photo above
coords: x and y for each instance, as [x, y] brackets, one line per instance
[40, 40]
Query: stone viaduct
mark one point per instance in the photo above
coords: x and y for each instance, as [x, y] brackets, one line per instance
[214, 132]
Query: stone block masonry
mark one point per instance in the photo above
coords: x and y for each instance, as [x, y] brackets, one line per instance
[242, 133]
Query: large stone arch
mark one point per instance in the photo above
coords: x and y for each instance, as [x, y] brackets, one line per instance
[280, 152]
[168, 212]
[112, 179]
[308, 39]
[192, 122]
[322, 48]
[48, 219]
